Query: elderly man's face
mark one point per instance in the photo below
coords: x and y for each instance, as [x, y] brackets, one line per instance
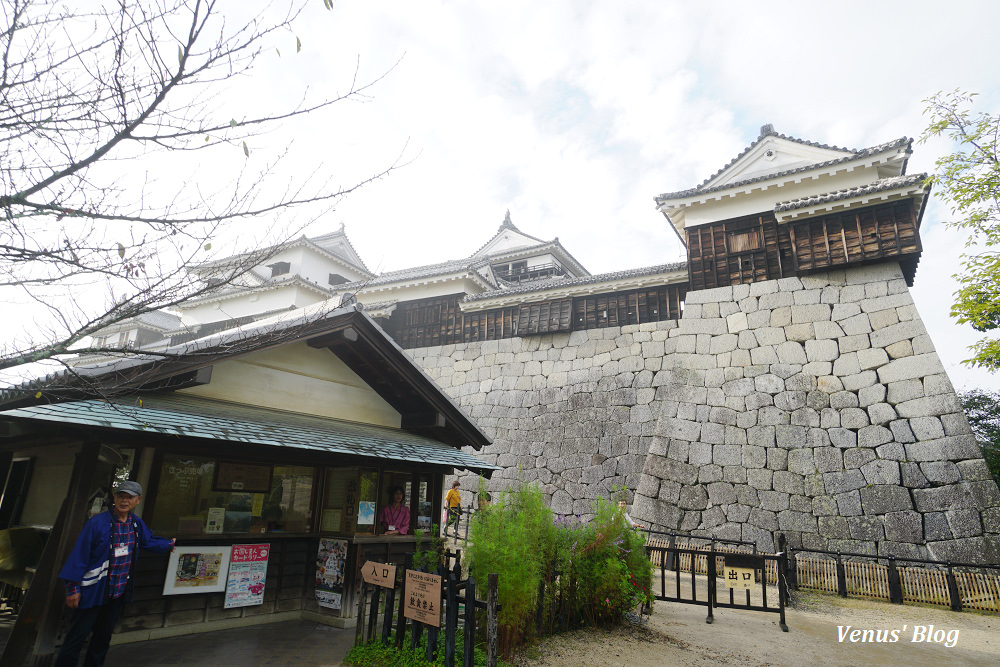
[126, 502]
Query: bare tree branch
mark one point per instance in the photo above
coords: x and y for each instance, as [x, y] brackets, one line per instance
[84, 91]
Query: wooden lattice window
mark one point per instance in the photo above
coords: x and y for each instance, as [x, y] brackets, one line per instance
[549, 317]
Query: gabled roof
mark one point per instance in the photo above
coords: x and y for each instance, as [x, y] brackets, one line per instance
[335, 247]
[347, 332]
[226, 292]
[338, 244]
[833, 155]
[507, 226]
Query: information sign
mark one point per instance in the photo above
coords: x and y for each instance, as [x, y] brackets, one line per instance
[379, 574]
[423, 598]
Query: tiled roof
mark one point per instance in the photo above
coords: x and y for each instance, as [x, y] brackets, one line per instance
[190, 417]
[558, 283]
[230, 290]
[880, 185]
[506, 224]
[902, 142]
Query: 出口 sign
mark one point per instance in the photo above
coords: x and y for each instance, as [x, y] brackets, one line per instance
[739, 577]
[423, 598]
[741, 569]
[379, 574]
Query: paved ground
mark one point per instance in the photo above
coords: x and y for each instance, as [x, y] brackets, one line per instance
[300, 643]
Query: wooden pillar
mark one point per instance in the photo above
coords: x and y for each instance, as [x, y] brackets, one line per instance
[37, 623]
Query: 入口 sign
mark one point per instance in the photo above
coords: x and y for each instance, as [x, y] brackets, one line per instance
[379, 574]
[423, 598]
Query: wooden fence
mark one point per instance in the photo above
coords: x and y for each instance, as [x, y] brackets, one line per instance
[946, 587]
[458, 606]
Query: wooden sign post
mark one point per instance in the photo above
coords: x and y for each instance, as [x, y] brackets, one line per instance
[423, 598]
[379, 574]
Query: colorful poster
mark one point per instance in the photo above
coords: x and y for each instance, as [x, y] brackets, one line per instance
[247, 572]
[366, 513]
[331, 562]
[197, 570]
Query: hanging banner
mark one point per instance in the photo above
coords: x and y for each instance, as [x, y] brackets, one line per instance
[331, 560]
[247, 572]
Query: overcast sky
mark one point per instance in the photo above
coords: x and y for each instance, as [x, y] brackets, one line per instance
[574, 115]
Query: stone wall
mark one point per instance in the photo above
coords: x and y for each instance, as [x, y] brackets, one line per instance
[816, 407]
[573, 412]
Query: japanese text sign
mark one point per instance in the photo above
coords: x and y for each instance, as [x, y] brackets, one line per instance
[423, 598]
[379, 574]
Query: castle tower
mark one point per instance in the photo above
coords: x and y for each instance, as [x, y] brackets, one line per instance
[805, 396]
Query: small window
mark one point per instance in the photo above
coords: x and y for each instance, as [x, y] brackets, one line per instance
[189, 500]
[744, 241]
[279, 268]
[337, 279]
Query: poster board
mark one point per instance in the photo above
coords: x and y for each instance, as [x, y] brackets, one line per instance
[247, 575]
[331, 561]
[422, 594]
[197, 570]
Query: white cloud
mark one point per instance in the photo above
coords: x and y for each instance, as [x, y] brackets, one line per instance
[574, 115]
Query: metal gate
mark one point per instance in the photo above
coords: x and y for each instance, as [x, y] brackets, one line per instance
[691, 576]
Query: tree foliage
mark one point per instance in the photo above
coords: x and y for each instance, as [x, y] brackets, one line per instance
[107, 110]
[969, 178]
[983, 411]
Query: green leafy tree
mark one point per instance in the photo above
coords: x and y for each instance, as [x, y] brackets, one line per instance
[969, 178]
[983, 410]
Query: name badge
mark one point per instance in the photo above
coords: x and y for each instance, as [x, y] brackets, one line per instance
[121, 551]
[392, 528]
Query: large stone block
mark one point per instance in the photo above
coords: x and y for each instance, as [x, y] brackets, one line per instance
[884, 498]
[905, 526]
[663, 468]
[953, 448]
[843, 481]
[881, 472]
[693, 498]
[907, 368]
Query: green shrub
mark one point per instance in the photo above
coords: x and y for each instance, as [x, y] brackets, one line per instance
[428, 553]
[593, 572]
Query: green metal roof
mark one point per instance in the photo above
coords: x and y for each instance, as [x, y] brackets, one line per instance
[174, 414]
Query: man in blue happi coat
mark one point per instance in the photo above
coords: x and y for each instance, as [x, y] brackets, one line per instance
[98, 575]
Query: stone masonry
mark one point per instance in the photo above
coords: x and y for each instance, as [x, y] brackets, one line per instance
[816, 407]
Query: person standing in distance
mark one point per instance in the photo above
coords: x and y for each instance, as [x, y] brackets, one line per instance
[98, 575]
[453, 499]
